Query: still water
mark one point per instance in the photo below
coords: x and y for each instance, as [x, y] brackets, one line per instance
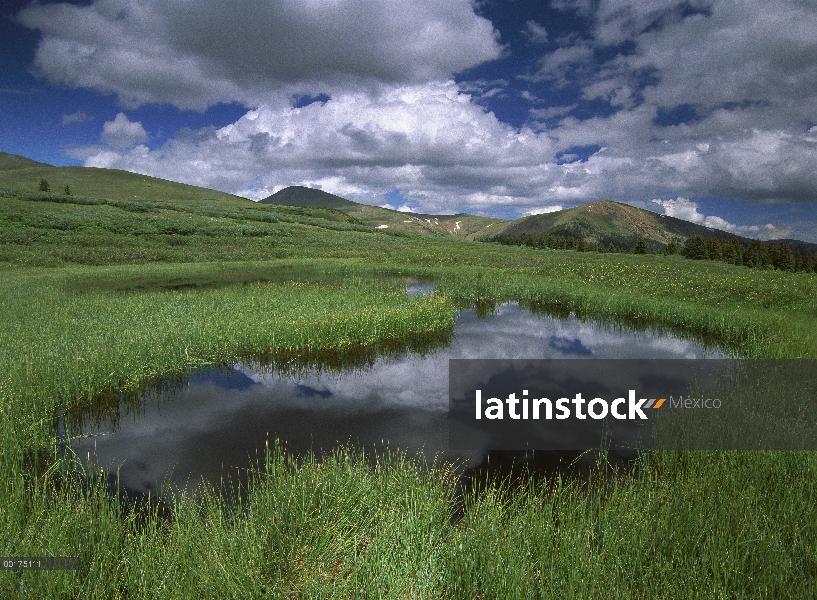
[219, 420]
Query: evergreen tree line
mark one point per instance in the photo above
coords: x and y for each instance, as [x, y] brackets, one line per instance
[756, 255]
[554, 242]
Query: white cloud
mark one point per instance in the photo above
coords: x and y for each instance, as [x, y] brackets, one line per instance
[682, 208]
[550, 112]
[195, 54]
[99, 158]
[77, 117]
[404, 208]
[542, 210]
[123, 133]
[482, 89]
[445, 153]
[535, 32]
[582, 7]
[557, 65]
[432, 142]
[713, 53]
[744, 72]
[686, 209]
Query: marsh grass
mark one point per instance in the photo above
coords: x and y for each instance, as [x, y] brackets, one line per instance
[693, 524]
[119, 310]
[761, 404]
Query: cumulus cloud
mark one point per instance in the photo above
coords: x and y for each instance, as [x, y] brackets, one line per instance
[195, 54]
[123, 133]
[446, 154]
[706, 98]
[440, 148]
[432, 142]
[686, 209]
[403, 208]
[682, 208]
[716, 54]
[542, 210]
[697, 98]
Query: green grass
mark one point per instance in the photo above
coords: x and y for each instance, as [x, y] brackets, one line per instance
[107, 183]
[98, 296]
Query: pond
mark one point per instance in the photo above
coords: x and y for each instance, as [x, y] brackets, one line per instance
[218, 421]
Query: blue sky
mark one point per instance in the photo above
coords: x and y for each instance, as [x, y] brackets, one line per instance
[703, 109]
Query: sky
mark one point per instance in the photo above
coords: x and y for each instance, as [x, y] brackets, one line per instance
[704, 110]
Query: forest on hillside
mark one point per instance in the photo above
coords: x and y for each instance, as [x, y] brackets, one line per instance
[755, 255]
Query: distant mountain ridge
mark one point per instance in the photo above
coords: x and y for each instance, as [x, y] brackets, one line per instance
[461, 225]
[607, 222]
[603, 221]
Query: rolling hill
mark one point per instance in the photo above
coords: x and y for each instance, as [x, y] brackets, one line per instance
[18, 173]
[9, 162]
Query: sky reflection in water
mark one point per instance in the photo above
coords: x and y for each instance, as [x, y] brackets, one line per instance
[221, 419]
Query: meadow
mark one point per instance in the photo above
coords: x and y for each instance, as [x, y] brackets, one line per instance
[102, 296]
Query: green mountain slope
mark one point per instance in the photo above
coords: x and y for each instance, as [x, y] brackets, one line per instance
[9, 162]
[607, 222]
[461, 225]
[110, 183]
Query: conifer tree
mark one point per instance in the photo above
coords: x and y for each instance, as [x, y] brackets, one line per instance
[756, 256]
[713, 249]
[785, 258]
[735, 251]
[808, 261]
[695, 248]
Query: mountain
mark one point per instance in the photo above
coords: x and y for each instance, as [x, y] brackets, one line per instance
[460, 225]
[797, 246]
[621, 224]
[298, 195]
